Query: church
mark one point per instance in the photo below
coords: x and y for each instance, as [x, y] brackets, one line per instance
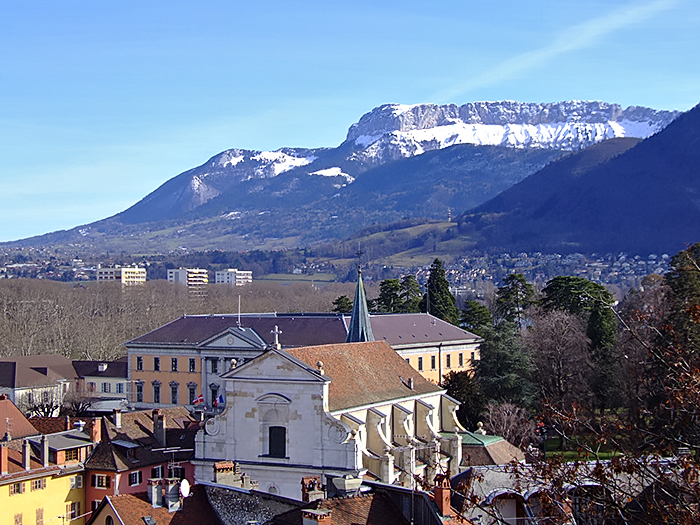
[346, 409]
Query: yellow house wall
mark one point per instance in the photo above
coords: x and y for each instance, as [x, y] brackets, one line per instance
[433, 374]
[52, 499]
[165, 376]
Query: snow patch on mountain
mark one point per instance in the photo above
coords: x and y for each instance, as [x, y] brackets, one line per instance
[273, 163]
[334, 172]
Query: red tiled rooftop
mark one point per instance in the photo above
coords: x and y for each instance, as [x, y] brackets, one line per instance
[364, 373]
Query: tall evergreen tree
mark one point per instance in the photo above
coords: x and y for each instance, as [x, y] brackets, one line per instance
[438, 300]
[513, 298]
[389, 299]
[476, 318]
[409, 293]
[504, 369]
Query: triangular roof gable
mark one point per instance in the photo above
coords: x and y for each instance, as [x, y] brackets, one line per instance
[276, 364]
[235, 338]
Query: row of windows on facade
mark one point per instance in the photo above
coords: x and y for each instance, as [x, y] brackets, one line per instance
[76, 482]
[448, 361]
[72, 513]
[106, 388]
[173, 364]
[174, 392]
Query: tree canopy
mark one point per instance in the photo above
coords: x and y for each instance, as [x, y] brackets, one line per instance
[438, 300]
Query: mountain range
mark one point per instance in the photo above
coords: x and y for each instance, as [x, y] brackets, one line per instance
[397, 161]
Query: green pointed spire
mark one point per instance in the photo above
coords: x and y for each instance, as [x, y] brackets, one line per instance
[360, 328]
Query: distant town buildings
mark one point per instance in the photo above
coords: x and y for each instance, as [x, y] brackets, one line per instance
[126, 275]
[234, 277]
[192, 277]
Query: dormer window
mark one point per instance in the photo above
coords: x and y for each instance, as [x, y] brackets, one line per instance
[102, 367]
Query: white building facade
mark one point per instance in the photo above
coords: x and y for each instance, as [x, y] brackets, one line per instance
[126, 275]
[234, 277]
[286, 419]
[189, 276]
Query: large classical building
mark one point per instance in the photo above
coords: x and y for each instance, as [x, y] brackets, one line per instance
[330, 410]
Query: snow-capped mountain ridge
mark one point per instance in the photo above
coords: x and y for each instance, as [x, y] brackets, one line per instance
[392, 132]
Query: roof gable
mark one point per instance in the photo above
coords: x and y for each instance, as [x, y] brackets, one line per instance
[278, 365]
[235, 338]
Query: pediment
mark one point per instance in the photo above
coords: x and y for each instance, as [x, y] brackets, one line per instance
[231, 339]
[275, 365]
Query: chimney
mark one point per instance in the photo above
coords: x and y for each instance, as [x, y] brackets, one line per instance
[67, 420]
[158, 426]
[27, 455]
[311, 488]
[316, 517]
[172, 494]
[4, 460]
[117, 417]
[155, 493]
[443, 493]
[319, 365]
[346, 486]
[96, 430]
[44, 451]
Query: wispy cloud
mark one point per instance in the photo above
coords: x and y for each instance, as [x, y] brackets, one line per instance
[579, 36]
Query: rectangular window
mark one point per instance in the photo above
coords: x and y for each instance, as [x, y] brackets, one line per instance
[157, 472]
[139, 363]
[448, 361]
[408, 360]
[39, 516]
[106, 388]
[156, 393]
[473, 357]
[173, 364]
[139, 392]
[91, 387]
[214, 394]
[278, 442]
[44, 397]
[39, 484]
[156, 364]
[76, 482]
[95, 504]
[193, 394]
[17, 488]
[173, 394]
[461, 359]
[176, 472]
[193, 364]
[214, 366]
[420, 364]
[432, 362]
[120, 388]
[72, 454]
[101, 481]
[135, 478]
[73, 510]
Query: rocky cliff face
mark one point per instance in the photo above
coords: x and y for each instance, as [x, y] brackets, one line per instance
[396, 131]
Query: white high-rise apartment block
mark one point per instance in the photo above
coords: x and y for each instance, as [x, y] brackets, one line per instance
[125, 275]
[234, 276]
[189, 276]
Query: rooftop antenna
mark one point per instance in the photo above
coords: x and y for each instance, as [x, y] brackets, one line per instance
[239, 311]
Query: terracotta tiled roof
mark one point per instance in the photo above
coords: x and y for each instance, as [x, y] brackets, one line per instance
[12, 417]
[364, 373]
[137, 428]
[51, 425]
[132, 508]
[297, 329]
[369, 509]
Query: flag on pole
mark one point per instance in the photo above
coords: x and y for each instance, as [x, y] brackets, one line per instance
[199, 399]
[220, 400]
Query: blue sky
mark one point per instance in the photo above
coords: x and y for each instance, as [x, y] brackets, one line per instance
[101, 102]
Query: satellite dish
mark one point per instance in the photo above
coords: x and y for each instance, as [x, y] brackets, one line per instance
[184, 488]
